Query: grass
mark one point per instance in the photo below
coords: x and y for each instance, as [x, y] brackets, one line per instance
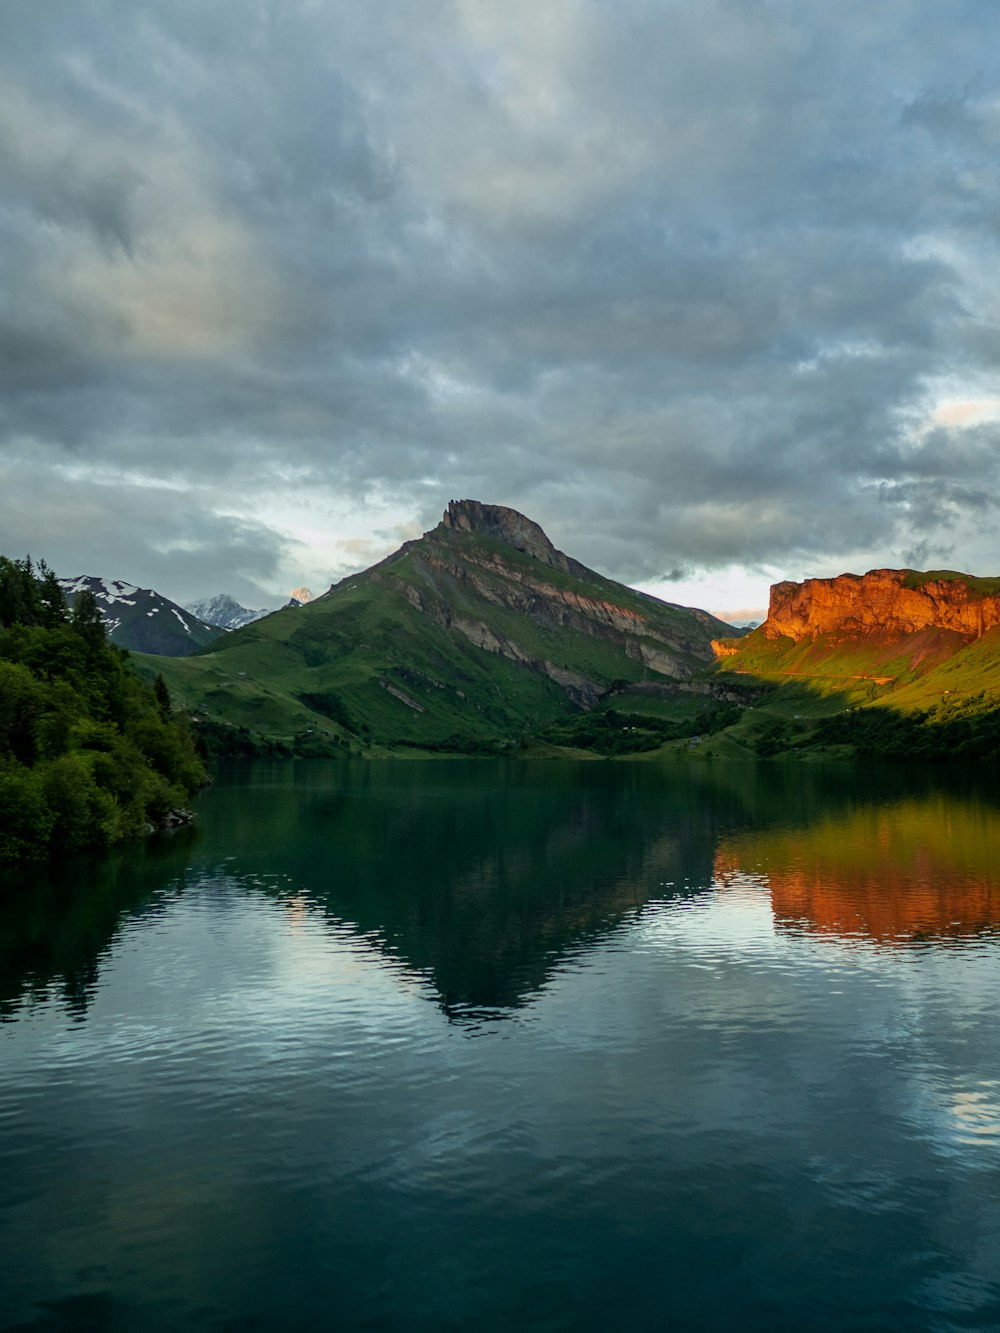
[977, 586]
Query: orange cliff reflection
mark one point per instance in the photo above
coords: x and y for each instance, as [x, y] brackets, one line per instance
[916, 870]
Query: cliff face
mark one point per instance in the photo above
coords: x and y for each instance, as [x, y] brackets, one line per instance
[884, 602]
[507, 526]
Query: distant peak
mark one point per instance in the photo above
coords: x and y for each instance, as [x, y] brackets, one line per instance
[505, 525]
[301, 595]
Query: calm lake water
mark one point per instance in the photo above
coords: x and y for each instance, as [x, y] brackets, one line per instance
[475, 1046]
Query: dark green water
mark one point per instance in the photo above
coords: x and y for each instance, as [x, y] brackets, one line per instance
[513, 1046]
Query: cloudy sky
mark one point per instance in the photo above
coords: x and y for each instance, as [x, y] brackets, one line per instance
[709, 288]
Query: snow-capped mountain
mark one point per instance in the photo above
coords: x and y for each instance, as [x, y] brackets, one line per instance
[224, 612]
[142, 620]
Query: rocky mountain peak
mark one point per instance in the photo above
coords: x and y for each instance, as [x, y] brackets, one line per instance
[225, 612]
[505, 525]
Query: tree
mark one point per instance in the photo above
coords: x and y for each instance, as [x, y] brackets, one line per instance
[52, 599]
[86, 620]
[162, 695]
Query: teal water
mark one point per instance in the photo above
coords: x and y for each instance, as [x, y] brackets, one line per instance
[453, 1046]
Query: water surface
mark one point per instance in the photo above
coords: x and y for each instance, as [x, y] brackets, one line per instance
[498, 1046]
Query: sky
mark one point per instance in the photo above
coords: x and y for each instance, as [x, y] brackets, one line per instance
[708, 288]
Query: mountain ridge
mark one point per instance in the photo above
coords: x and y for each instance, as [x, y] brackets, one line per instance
[225, 612]
[895, 664]
[473, 634]
[141, 619]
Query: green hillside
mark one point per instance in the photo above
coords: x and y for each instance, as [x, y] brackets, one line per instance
[468, 640]
[934, 694]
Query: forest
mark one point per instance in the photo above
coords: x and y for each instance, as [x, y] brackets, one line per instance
[90, 754]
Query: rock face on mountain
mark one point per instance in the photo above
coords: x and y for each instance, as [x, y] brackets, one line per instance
[667, 639]
[511, 528]
[885, 603]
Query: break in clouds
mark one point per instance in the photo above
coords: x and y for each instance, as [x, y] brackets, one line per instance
[696, 283]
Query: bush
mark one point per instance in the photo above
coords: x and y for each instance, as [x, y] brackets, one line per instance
[27, 820]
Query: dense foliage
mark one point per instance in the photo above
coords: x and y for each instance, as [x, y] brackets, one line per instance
[612, 733]
[881, 733]
[89, 753]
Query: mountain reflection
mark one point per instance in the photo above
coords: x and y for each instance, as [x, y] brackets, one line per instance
[482, 879]
[908, 871]
[57, 926]
[478, 877]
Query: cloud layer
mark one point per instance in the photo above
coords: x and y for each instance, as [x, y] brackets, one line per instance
[698, 284]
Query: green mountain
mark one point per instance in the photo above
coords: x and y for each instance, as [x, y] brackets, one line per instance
[468, 639]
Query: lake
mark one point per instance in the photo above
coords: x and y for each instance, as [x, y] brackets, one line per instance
[490, 1045]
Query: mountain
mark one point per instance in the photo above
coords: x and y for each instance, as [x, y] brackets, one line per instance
[142, 620]
[224, 612]
[468, 639]
[892, 663]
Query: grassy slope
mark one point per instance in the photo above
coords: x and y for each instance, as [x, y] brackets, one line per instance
[907, 673]
[934, 678]
[367, 645]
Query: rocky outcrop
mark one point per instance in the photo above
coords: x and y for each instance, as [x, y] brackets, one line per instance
[581, 690]
[171, 820]
[725, 647]
[678, 643]
[509, 527]
[884, 602]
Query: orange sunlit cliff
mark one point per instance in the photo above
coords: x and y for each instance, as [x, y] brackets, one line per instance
[888, 602]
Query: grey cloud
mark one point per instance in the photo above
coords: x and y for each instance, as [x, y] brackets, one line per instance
[170, 540]
[679, 281]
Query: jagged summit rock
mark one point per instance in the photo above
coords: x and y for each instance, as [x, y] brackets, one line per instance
[299, 596]
[508, 526]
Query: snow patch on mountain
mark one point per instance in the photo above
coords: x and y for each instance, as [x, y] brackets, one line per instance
[225, 612]
[127, 611]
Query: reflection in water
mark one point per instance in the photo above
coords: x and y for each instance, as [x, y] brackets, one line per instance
[907, 870]
[56, 926]
[977, 1113]
[238, 1089]
[481, 877]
